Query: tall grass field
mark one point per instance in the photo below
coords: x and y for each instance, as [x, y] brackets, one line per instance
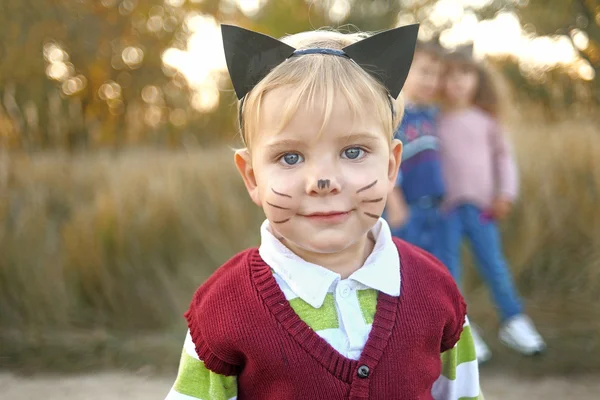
[100, 253]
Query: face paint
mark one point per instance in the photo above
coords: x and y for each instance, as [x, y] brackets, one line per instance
[276, 206]
[281, 194]
[369, 186]
[371, 215]
[323, 184]
[373, 201]
[279, 207]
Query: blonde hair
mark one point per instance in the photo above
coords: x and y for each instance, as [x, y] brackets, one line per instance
[320, 78]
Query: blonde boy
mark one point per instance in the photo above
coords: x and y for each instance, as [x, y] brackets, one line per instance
[330, 306]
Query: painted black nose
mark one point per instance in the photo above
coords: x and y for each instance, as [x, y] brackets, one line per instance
[323, 184]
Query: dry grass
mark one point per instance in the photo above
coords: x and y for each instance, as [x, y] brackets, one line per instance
[98, 252]
[552, 242]
[109, 244]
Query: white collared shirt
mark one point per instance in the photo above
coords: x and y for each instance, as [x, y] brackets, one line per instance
[311, 283]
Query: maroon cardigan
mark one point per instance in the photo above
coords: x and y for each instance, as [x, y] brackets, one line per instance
[242, 325]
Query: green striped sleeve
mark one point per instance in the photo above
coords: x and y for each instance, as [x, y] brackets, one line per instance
[195, 381]
[459, 379]
[463, 352]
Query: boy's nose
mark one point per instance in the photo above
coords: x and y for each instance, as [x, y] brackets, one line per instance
[322, 186]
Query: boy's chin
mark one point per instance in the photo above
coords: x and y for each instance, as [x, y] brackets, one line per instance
[327, 248]
[329, 245]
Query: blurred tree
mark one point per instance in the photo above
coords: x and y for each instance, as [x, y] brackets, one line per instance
[78, 73]
[553, 87]
[73, 71]
[577, 19]
[281, 17]
[84, 73]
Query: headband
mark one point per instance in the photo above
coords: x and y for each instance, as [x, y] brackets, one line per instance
[386, 56]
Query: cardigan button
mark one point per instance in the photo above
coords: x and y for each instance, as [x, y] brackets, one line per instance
[363, 372]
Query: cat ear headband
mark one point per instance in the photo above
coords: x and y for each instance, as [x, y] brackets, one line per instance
[386, 56]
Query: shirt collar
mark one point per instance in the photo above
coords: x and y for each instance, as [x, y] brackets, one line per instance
[311, 282]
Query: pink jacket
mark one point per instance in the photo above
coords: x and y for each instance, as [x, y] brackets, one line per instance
[477, 162]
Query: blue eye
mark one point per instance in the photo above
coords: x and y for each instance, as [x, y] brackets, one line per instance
[291, 158]
[353, 153]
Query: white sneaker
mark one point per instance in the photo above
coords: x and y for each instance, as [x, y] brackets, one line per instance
[520, 334]
[482, 351]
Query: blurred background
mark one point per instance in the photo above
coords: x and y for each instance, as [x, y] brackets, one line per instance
[118, 194]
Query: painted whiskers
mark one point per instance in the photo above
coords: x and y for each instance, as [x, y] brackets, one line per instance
[362, 189]
[322, 184]
[280, 207]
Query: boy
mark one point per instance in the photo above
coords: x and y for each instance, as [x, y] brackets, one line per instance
[330, 306]
[413, 211]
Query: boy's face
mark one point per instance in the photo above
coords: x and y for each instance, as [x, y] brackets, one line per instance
[423, 80]
[460, 84]
[321, 191]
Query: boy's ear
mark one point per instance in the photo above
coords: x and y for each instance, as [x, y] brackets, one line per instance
[394, 163]
[243, 162]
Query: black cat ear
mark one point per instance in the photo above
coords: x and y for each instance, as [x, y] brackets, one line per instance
[387, 56]
[251, 56]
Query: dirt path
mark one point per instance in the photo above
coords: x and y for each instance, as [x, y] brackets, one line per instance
[115, 386]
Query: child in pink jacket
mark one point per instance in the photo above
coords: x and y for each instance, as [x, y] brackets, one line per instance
[481, 182]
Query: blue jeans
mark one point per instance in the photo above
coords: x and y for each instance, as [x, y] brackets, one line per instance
[424, 227]
[484, 237]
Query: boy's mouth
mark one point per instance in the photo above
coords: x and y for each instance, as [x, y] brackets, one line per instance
[327, 216]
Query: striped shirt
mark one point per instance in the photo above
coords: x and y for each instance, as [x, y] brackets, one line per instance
[341, 311]
[420, 172]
